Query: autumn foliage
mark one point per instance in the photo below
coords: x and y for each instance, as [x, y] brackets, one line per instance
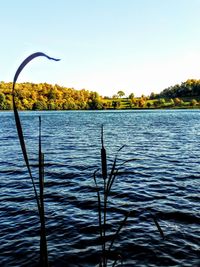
[43, 96]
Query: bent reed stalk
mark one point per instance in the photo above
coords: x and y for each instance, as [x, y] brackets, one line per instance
[39, 198]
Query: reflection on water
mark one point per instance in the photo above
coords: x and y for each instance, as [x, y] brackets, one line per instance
[164, 178]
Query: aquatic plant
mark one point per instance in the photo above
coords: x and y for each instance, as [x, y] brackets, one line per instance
[102, 199]
[102, 194]
[39, 197]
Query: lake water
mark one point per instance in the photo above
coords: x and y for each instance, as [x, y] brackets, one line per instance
[163, 178]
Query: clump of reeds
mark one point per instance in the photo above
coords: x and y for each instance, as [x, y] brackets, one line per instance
[108, 181]
[102, 197]
[39, 197]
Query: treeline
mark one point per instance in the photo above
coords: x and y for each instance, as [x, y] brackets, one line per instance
[190, 88]
[43, 96]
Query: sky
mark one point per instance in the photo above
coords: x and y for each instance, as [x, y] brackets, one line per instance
[137, 46]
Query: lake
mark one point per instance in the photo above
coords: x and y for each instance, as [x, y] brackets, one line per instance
[163, 178]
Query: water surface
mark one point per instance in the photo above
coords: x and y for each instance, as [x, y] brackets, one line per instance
[163, 178]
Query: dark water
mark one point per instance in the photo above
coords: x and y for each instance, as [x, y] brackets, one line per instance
[164, 178]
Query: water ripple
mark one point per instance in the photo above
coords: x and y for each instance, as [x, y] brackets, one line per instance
[162, 178]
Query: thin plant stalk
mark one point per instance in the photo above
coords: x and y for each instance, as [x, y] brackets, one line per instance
[157, 225]
[104, 175]
[23, 147]
[118, 230]
[43, 240]
[99, 208]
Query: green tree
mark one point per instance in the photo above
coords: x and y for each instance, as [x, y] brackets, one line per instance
[131, 96]
[152, 96]
[148, 104]
[95, 104]
[39, 105]
[121, 94]
[95, 101]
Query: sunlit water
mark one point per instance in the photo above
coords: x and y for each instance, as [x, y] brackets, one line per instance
[163, 179]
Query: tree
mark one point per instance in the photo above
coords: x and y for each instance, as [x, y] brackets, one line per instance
[131, 96]
[189, 88]
[121, 94]
[148, 104]
[95, 101]
[152, 96]
[141, 102]
[39, 105]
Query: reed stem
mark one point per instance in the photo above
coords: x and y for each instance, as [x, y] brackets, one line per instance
[43, 240]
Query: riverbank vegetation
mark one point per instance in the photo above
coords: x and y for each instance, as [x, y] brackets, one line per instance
[44, 96]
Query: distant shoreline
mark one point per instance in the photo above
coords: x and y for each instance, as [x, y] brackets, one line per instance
[43, 96]
[132, 109]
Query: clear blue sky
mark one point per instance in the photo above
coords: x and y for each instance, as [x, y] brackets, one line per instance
[136, 46]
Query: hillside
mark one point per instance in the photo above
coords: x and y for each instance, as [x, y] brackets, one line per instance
[43, 96]
[190, 88]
